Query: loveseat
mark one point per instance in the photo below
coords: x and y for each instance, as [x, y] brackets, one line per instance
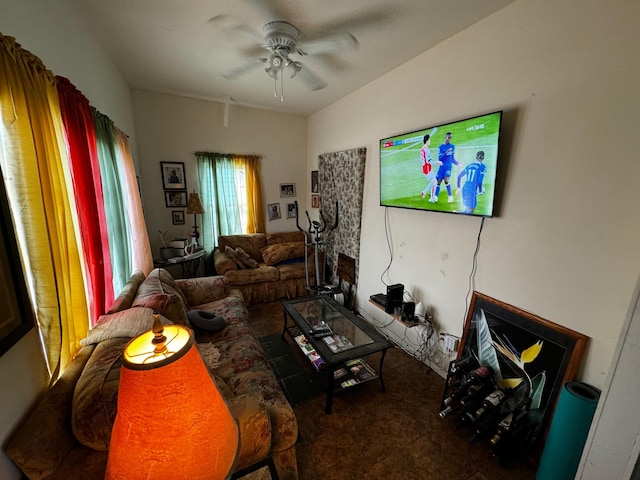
[67, 435]
[266, 266]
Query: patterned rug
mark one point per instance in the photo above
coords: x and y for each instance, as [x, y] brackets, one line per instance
[296, 377]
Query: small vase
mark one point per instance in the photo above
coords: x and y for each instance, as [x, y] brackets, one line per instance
[166, 253]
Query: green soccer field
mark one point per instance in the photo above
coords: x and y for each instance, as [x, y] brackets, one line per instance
[401, 178]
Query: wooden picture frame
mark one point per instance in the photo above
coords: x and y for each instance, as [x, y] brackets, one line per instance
[274, 211]
[173, 176]
[315, 201]
[509, 331]
[18, 317]
[287, 189]
[175, 199]
[178, 217]
[315, 184]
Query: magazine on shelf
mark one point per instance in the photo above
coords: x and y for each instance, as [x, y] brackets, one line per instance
[319, 363]
[316, 360]
[360, 369]
[337, 342]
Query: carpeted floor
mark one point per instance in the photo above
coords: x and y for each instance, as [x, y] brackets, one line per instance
[373, 435]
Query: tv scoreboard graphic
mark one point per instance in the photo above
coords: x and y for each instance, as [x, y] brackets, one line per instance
[405, 141]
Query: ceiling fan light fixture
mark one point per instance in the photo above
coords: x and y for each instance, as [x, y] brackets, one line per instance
[294, 67]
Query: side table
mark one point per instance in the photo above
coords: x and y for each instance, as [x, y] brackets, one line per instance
[190, 264]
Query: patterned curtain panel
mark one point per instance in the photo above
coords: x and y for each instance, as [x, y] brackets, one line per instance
[341, 179]
[37, 179]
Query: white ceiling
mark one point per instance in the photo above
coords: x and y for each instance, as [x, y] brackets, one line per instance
[183, 46]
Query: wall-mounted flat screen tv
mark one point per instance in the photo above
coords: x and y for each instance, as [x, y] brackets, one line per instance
[444, 168]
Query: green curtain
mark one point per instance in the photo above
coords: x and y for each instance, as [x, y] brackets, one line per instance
[219, 197]
[114, 201]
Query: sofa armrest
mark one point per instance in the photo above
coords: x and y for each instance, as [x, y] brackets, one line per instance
[201, 290]
[45, 438]
[254, 427]
[222, 263]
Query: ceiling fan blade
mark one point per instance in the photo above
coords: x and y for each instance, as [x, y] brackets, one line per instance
[271, 10]
[370, 19]
[332, 62]
[235, 26]
[245, 68]
[336, 42]
[309, 77]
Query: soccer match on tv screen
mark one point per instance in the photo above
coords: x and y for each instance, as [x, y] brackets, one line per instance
[447, 168]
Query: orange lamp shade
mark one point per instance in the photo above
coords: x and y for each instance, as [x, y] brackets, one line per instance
[172, 421]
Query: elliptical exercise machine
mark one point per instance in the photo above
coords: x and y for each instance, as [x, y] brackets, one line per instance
[316, 229]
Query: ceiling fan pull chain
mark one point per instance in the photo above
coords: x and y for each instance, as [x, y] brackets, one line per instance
[275, 85]
[282, 86]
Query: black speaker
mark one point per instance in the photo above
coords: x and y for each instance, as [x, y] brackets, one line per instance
[394, 297]
[408, 311]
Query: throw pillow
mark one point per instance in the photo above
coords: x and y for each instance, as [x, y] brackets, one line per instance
[275, 254]
[95, 397]
[128, 292]
[207, 320]
[246, 259]
[231, 253]
[127, 323]
[160, 292]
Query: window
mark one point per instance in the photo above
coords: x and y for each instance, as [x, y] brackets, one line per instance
[231, 196]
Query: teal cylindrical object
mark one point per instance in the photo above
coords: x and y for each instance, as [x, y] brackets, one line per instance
[568, 432]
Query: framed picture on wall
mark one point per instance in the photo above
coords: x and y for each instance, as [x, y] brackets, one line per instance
[175, 199]
[287, 189]
[291, 210]
[274, 211]
[315, 186]
[173, 176]
[315, 201]
[178, 217]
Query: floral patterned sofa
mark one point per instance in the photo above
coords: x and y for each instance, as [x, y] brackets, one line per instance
[266, 266]
[67, 435]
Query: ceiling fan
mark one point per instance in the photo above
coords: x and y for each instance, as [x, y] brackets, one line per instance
[283, 41]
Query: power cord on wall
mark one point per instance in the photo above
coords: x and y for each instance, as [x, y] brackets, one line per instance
[387, 235]
[433, 348]
[472, 274]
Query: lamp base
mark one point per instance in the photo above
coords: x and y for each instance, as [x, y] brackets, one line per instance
[196, 234]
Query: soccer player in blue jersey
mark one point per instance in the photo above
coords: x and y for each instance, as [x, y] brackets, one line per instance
[446, 159]
[474, 173]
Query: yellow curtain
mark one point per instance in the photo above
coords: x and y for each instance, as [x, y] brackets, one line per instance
[142, 258]
[251, 165]
[36, 173]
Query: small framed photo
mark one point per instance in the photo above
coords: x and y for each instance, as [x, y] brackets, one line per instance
[173, 176]
[178, 217]
[287, 189]
[315, 201]
[291, 210]
[274, 211]
[315, 186]
[175, 199]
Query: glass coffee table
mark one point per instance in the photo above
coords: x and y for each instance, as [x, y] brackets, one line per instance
[335, 340]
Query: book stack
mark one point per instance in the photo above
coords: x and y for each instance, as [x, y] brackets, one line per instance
[316, 360]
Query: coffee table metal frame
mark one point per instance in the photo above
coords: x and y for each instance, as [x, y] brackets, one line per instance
[335, 360]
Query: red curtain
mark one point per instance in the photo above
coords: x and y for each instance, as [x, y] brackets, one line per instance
[85, 172]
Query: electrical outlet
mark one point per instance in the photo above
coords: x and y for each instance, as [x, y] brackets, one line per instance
[450, 344]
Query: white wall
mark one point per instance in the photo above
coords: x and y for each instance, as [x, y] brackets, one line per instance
[52, 31]
[564, 242]
[171, 129]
